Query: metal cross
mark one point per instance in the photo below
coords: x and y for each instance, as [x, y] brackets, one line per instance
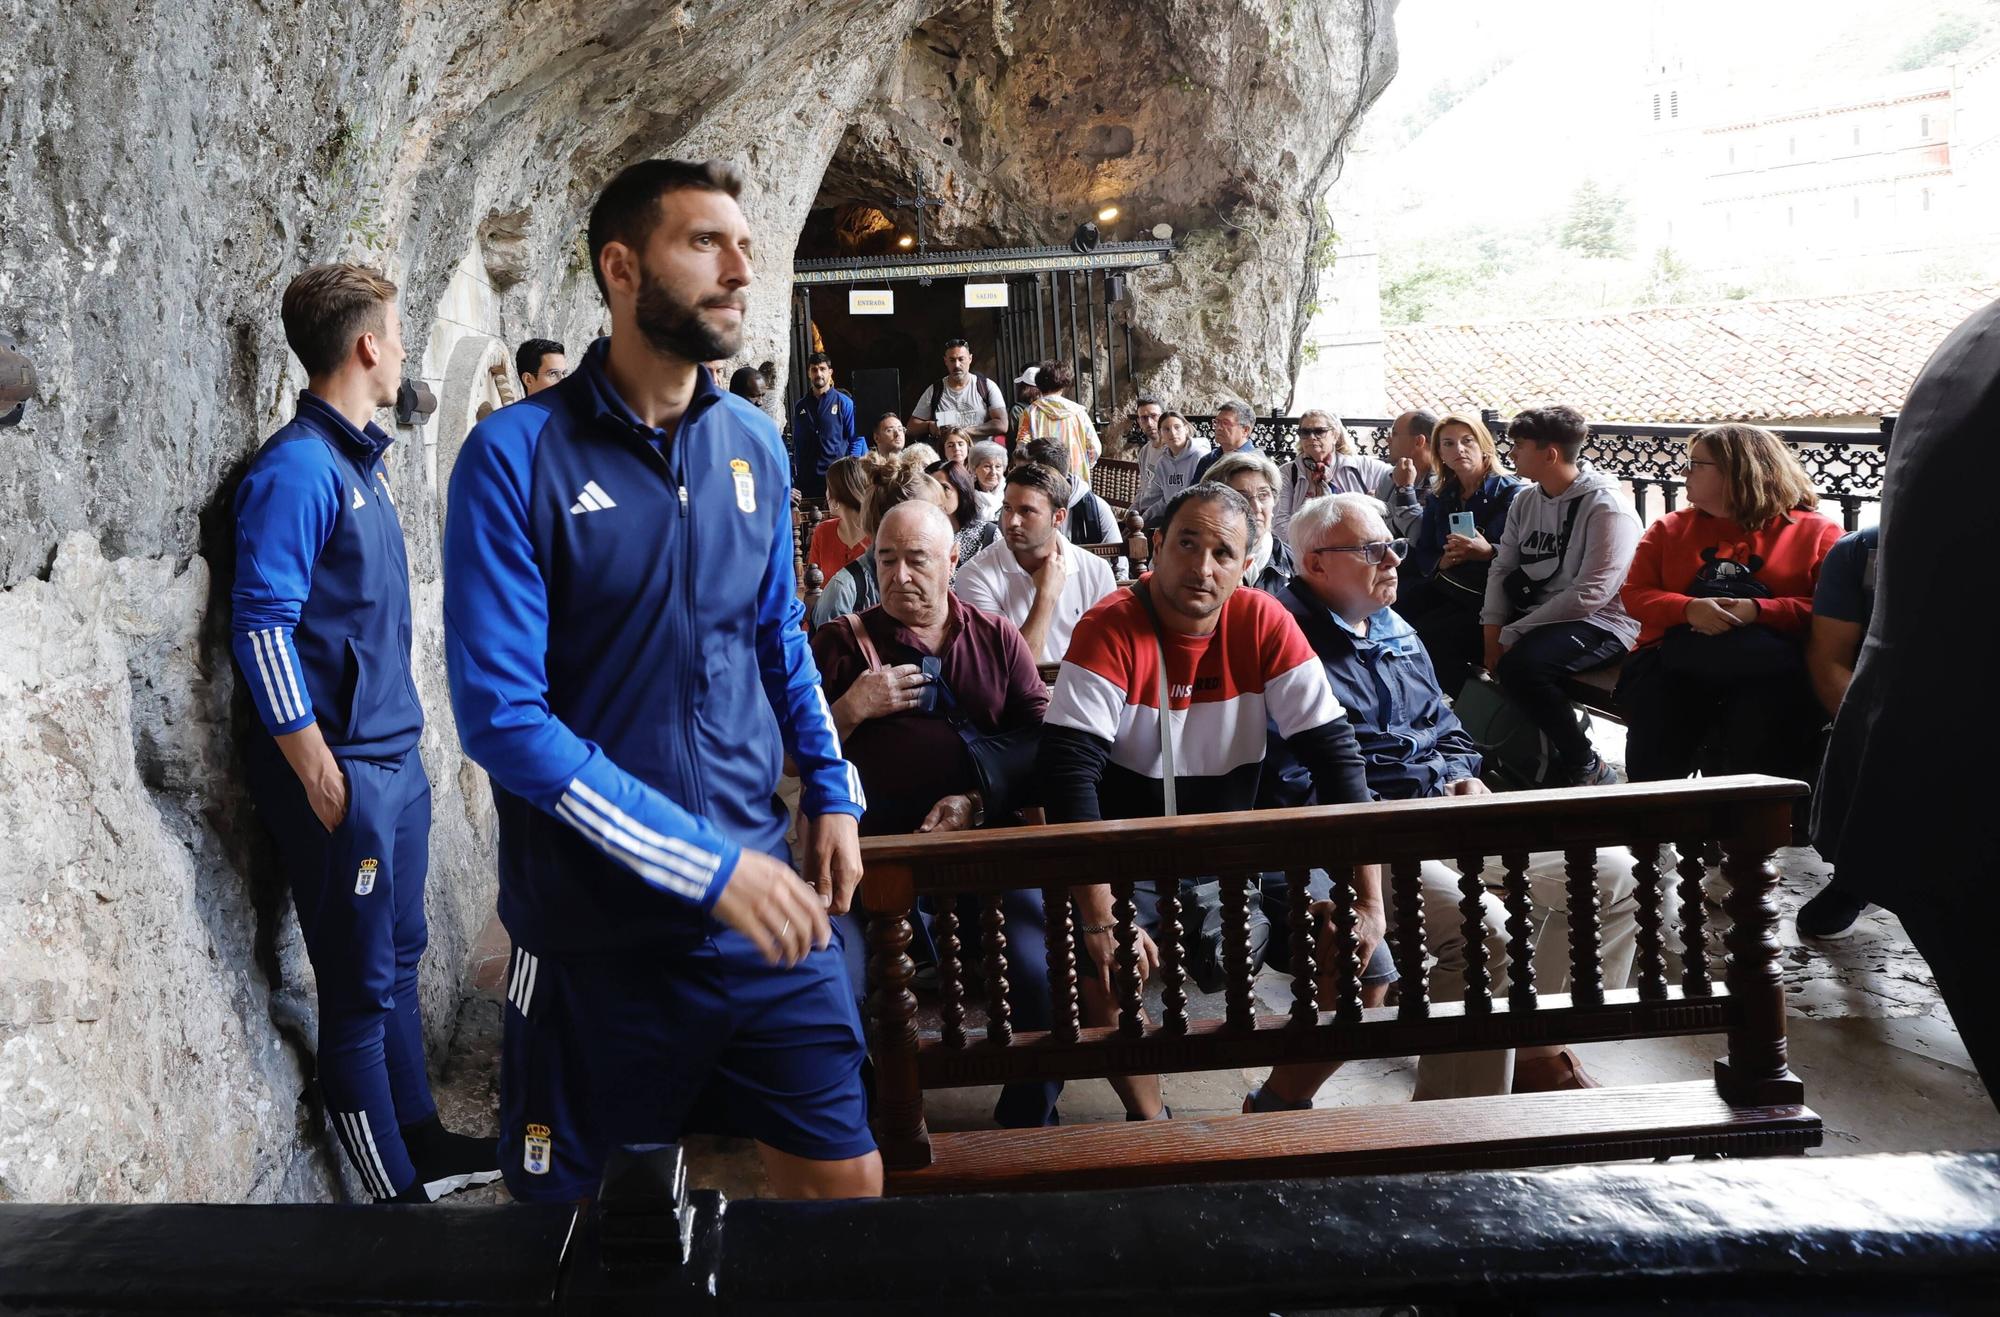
[920, 203]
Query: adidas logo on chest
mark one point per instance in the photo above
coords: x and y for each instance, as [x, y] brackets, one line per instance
[591, 499]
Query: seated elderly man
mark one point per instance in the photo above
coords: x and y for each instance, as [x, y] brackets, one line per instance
[908, 679]
[1233, 660]
[1414, 746]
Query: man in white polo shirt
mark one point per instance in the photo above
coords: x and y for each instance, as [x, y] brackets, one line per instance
[1042, 584]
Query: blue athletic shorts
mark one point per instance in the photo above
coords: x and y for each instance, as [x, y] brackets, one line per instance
[600, 1051]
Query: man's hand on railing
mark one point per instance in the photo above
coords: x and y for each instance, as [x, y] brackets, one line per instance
[1103, 948]
[833, 859]
[951, 814]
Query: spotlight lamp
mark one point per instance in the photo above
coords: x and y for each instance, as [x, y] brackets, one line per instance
[906, 242]
[1084, 240]
[1108, 214]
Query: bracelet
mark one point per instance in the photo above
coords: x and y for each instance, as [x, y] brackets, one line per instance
[1088, 929]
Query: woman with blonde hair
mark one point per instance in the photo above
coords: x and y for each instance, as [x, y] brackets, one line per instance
[1328, 463]
[1443, 583]
[1722, 590]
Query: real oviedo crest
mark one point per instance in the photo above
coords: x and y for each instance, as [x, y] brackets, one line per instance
[746, 485]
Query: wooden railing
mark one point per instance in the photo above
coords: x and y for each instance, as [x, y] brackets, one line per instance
[1749, 816]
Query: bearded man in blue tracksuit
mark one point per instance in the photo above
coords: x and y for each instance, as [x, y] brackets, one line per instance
[320, 628]
[628, 664]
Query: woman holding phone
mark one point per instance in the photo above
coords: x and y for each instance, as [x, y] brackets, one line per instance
[1444, 582]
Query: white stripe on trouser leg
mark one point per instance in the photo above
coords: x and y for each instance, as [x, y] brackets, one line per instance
[528, 987]
[514, 976]
[376, 1155]
[350, 1138]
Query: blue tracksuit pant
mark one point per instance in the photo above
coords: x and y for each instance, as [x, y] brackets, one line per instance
[359, 892]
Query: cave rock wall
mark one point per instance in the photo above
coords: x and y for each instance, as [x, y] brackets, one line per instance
[168, 168]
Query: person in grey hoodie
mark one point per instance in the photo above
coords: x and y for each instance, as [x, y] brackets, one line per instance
[1552, 595]
[1174, 470]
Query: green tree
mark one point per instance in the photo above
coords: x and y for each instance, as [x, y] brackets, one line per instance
[1598, 224]
[1948, 36]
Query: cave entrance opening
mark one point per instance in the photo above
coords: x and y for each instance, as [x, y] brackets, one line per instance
[884, 320]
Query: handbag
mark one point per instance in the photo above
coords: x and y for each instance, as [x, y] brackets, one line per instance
[1524, 592]
[1002, 762]
[1746, 652]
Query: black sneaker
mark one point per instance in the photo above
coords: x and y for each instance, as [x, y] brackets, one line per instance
[1831, 915]
[1596, 774]
[447, 1162]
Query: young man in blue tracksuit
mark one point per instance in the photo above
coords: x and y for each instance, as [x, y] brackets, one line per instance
[823, 429]
[627, 663]
[320, 627]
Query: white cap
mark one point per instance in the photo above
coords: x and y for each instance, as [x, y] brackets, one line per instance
[1028, 376]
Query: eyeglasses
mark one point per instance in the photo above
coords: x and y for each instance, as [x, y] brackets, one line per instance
[1373, 552]
[1314, 431]
[1687, 467]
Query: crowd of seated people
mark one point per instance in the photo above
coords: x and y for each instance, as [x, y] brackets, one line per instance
[1353, 602]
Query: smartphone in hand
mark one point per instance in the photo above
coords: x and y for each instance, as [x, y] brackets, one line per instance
[1462, 524]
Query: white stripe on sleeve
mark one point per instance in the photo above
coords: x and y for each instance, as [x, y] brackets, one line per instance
[1302, 699]
[656, 866]
[284, 652]
[264, 670]
[1086, 701]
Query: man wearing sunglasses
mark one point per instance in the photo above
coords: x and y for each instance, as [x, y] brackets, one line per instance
[1413, 746]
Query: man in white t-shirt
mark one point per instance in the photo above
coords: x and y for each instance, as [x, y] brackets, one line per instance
[1042, 584]
[962, 400]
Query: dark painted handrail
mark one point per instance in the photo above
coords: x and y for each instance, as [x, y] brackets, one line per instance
[1875, 1234]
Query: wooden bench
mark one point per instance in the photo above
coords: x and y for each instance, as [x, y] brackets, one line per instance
[1754, 1105]
[1597, 690]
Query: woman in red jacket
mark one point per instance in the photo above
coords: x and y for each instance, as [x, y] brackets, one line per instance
[1722, 591]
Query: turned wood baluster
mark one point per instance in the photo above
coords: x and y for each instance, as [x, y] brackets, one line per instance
[999, 1013]
[1472, 916]
[1126, 971]
[1757, 1070]
[951, 972]
[1173, 975]
[1586, 932]
[1346, 965]
[899, 1096]
[1694, 922]
[1651, 970]
[1305, 970]
[1406, 876]
[1067, 1024]
[1237, 1011]
[1520, 934]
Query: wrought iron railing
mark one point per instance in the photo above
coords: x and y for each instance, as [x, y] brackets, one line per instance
[1845, 463]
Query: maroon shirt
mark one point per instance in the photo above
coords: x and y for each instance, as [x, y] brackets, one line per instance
[910, 761]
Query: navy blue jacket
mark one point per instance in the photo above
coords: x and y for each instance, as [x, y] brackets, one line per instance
[1412, 744]
[627, 658]
[320, 609]
[823, 431]
[1488, 506]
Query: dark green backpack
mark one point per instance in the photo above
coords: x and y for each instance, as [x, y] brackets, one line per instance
[1518, 757]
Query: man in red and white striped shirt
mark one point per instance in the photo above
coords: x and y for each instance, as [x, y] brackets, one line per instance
[1236, 664]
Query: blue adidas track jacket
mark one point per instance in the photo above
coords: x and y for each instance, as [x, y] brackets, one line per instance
[320, 608]
[627, 658]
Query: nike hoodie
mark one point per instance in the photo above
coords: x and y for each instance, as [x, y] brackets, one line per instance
[1171, 474]
[1579, 581]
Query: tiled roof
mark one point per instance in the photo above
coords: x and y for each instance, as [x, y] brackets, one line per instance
[1793, 360]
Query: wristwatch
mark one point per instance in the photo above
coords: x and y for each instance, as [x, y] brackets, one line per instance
[978, 808]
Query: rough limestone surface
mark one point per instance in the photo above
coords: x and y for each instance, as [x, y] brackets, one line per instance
[168, 168]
